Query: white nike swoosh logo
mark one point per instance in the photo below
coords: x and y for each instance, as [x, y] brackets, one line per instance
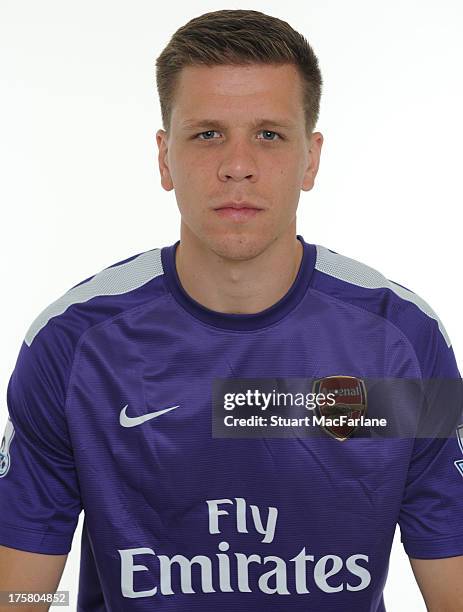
[127, 421]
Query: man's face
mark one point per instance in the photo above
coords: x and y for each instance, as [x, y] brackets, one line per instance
[216, 153]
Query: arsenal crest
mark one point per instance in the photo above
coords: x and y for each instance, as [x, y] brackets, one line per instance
[344, 417]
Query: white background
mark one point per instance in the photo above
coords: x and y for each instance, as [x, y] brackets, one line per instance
[80, 186]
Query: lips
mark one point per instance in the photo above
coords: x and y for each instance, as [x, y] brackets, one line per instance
[238, 206]
[238, 215]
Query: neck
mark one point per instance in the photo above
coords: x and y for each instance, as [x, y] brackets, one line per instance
[221, 282]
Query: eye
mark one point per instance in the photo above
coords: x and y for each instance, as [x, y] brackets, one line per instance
[270, 132]
[208, 132]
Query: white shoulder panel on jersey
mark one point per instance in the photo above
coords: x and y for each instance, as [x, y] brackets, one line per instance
[357, 273]
[109, 281]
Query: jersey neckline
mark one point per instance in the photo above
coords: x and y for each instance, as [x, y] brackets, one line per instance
[235, 321]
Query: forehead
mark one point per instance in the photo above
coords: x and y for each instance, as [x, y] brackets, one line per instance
[228, 89]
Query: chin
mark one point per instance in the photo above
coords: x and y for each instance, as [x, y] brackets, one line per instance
[237, 246]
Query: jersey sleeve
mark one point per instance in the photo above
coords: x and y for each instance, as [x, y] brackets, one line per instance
[431, 512]
[40, 500]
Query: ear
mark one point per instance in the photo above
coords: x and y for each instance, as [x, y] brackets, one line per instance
[166, 178]
[310, 173]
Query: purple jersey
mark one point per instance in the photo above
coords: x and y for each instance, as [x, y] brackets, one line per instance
[110, 411]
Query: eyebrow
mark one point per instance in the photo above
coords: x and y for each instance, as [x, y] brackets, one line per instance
[257, 123]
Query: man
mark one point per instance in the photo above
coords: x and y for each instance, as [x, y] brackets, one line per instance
[112, 400]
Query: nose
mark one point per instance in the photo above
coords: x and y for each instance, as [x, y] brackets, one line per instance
[238, 162]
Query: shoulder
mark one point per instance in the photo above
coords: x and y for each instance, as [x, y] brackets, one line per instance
[49, 345]
[47, 352]
[108, 292]
[362, 286]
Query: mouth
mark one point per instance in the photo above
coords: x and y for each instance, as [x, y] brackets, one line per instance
[238, 211]
[238, 205]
